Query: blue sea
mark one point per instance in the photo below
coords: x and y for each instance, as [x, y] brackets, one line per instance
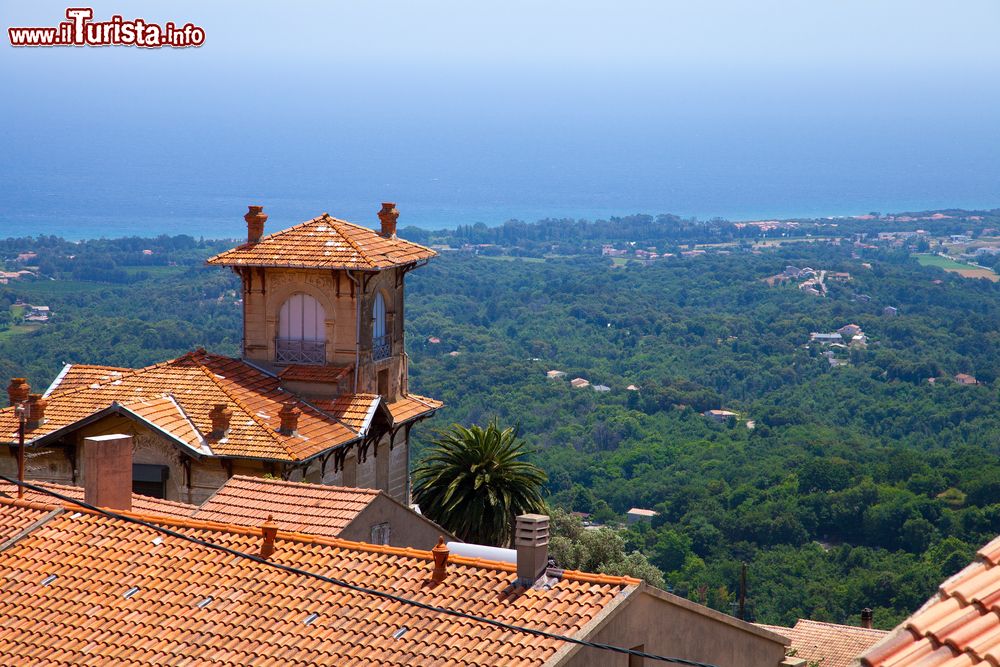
[86, 164]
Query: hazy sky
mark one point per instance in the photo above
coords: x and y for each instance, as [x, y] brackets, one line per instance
[543, 101]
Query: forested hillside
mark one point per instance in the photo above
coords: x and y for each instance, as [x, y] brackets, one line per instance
[860, 484]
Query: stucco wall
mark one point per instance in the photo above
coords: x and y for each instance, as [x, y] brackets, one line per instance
[406, 528]
[265, 290]
[675, 629]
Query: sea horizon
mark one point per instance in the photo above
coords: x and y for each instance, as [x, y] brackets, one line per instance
[284, 213]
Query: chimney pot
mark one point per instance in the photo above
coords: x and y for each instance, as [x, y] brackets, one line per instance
[36, 410]
[107, 471]
[440, 553]
[388, 216]
[18, 390]
[531, 540]
[269, 530]
[866, 618]
[255, 218]
[220, 416]
[289, 416]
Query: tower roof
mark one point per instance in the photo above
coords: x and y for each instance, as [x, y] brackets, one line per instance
[325, 243]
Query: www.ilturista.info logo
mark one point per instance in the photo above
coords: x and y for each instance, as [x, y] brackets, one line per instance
[79, 30]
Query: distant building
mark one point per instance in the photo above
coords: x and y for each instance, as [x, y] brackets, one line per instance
[859, 340]
[635, 515]
[631, 387]
[719, 415]
[849, 330]
[965, 378]
[579, 383]
[890, 311]
[825, 338]
[601, 388]
[434, 340]
[555, 375]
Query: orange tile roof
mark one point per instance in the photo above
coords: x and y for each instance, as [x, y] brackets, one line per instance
[411, 406]
[82, 588]
[355, 410]
[175, 397]
[302, 508]
[80, 375]
[325, 243]
[310, 373]
[960, 625]
[140, 503]
[15, 518]
[828, 644]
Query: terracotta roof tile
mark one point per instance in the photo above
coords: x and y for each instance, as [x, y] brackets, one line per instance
[125, 592]
[325, 243]
[176, 397]
[15, 518]
[312, 373]
[412, 406]
[81, 375]
[829, 644]
[352, 409]
[959, 626]
[302, 508]
[140, 503]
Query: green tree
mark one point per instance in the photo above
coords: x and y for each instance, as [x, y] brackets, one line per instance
[474, 481]
[601, 550]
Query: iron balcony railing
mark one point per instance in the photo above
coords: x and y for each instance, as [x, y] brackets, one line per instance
[290, 351]
[381, 348]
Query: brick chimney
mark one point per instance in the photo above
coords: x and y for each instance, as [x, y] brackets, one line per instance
[36, 410]
[440, 553]
[255, 218]
[388, 216]
[18, 390]
[220, 416]
[289, 416]
[531, 540]
[268, 531]
[866, 618]
[107, 471]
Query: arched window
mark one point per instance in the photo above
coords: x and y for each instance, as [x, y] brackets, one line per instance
[381, 343]
[301, 331]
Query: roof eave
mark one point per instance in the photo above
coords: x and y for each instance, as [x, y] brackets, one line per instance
[113, 409]
[325, 267]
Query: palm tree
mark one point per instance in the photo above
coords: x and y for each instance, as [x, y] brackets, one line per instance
[474, 481]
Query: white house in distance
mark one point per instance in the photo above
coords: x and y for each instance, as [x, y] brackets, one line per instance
[555, 375]
[719, 415]
[825, 338]
[849, 330]
[637, 514]
[579, 383]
